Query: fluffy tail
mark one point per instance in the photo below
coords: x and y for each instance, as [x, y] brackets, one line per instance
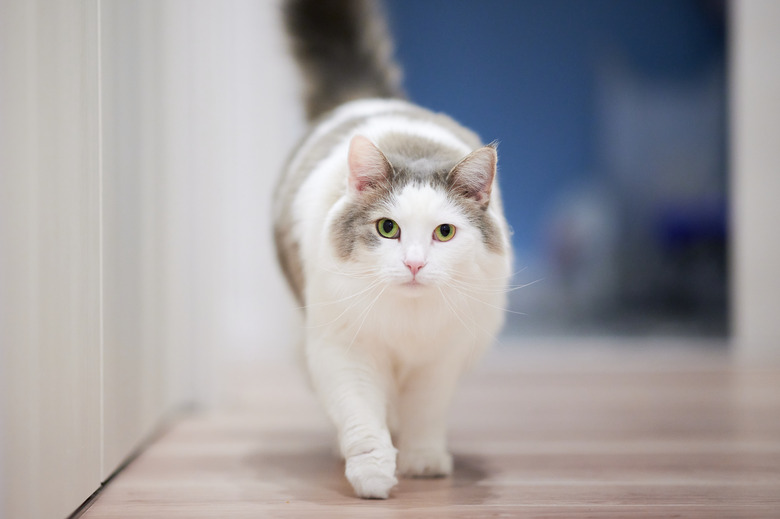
[344, 51]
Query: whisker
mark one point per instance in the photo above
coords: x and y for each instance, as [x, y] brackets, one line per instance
[489, 334]
[485, 302]
[347, 309]
[325, 303]
[367, 311]
[358, 273]
[480, 278]
[452, 309]
[496, 290]
[474, 345]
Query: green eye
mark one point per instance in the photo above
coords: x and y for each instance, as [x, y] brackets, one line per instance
[444, 232]
[387, 228]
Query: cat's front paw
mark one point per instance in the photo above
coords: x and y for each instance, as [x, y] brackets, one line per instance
[372, 474]
[424, 463]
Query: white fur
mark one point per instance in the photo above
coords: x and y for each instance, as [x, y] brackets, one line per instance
[385, 357]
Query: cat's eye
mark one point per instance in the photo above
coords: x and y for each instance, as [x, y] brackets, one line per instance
[444, 232]
[387, 228]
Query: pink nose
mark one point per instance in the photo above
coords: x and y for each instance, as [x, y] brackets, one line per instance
[414, 266]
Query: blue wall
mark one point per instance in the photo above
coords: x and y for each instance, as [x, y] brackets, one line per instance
[532, 73]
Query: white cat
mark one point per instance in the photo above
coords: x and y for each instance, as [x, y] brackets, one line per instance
[389, 228]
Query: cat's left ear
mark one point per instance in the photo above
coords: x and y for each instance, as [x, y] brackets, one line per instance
[368, 167]
[473, 176]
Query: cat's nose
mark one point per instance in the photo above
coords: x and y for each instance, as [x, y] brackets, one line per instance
[414, 265]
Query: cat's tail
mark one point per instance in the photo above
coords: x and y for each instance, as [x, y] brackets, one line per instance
[344, 51]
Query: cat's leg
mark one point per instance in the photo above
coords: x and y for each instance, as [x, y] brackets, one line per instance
[354, 391]
[424, 402]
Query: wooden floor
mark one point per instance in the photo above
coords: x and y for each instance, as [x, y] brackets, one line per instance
[574, 433]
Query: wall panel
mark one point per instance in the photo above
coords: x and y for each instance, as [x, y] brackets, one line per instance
[140, 381]
[755, 107]
[49, 258]
[139, 145]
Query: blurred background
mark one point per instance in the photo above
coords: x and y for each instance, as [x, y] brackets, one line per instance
[140, 141]
[612, 119]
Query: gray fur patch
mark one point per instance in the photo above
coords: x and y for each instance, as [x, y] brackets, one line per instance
[288, 254]
[479, 218]
[344, 51]
[354, 226]
[417, 160]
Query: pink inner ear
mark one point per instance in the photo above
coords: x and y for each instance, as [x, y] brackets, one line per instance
[368, 166]
[473, 176]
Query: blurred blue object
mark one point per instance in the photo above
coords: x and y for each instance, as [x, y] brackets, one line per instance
[613, 128]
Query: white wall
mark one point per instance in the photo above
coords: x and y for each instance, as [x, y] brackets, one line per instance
[49, 257]
[755, 130]
[139, 142]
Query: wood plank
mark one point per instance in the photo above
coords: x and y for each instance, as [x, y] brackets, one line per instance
[530, 440]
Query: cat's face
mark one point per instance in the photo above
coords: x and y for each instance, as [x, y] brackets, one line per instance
[416, 233]
[430, 239]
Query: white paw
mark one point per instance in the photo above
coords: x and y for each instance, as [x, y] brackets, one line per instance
[424, 463]
[372, 474]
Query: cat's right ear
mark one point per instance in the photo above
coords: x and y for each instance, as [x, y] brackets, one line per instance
[473, 176]
[369, 169]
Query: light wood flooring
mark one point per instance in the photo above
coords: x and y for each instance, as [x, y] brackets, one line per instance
[641, 431]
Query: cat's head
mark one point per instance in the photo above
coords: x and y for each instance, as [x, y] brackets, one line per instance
[416, 216]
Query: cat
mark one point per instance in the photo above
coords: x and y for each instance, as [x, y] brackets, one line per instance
[389, 229]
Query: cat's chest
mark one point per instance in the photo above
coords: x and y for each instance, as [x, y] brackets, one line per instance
[414, 329]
